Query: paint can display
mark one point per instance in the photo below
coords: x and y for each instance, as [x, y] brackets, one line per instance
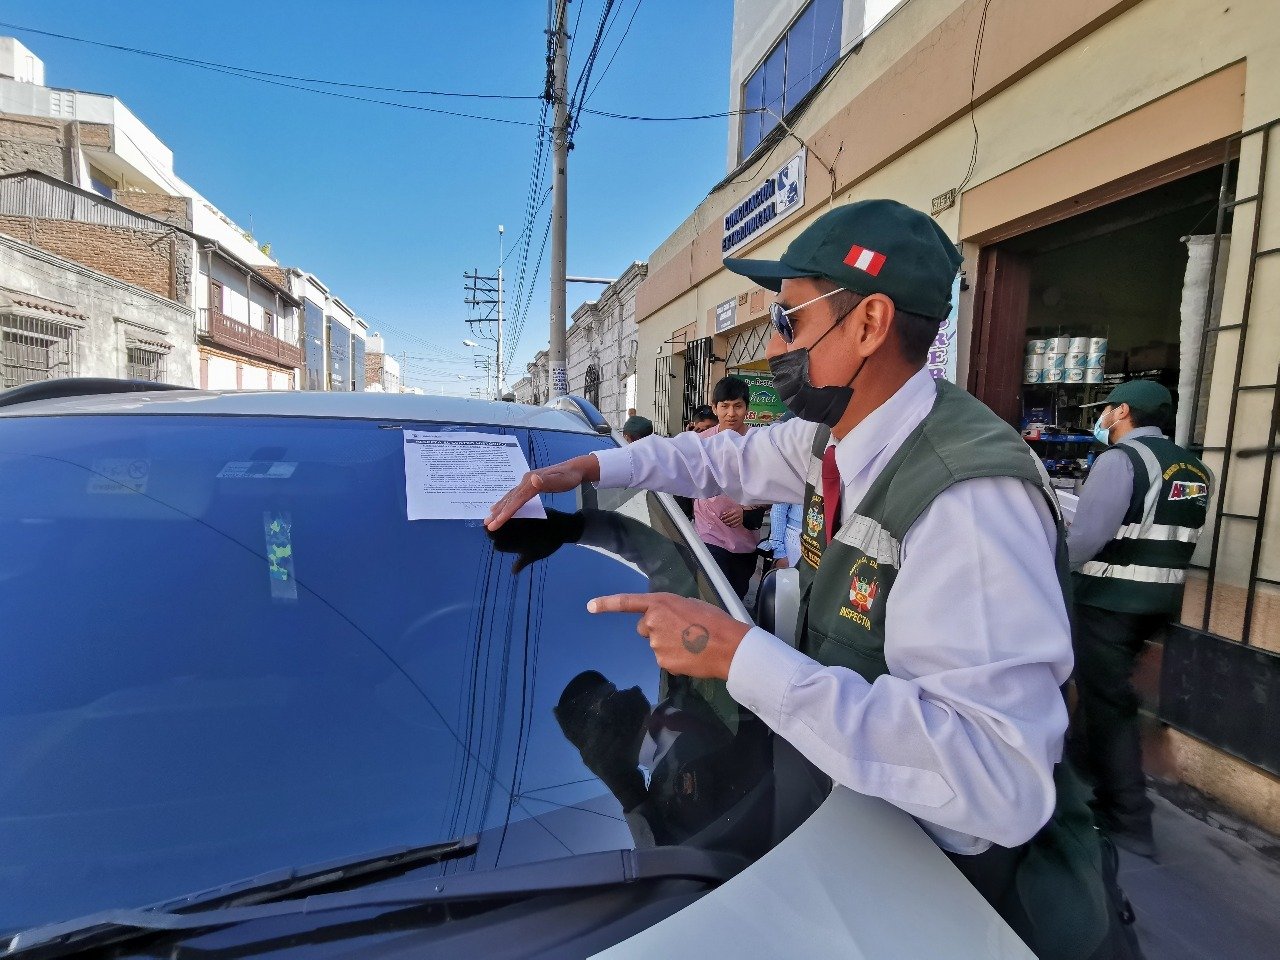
[1093, 375]
[1060, 345]
[1076, 359]
[1095, 361]
[1033, 375]
[1055, 375]
[1079, 345]
[1055, 361]
[1035, 347]
[1097, 344]
[1075, 374]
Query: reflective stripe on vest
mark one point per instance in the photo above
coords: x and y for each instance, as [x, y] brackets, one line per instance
[1132, 571]
[1158, 531]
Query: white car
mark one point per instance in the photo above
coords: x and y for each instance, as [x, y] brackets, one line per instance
[248, 707]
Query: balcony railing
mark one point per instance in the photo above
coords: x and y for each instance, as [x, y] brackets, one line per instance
[218, 328]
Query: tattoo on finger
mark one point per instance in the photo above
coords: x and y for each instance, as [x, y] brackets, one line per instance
[695, 638]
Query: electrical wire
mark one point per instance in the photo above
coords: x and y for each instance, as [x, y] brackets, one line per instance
[613, 56]
[973, 91]
[265, 73]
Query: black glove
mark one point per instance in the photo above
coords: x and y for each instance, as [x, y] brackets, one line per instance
[533, 540]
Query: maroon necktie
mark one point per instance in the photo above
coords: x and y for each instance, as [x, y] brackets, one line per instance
[830, 490]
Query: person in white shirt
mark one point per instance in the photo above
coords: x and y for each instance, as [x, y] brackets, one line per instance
[935, 636]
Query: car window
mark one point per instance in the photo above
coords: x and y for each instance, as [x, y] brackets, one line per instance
[227, 651]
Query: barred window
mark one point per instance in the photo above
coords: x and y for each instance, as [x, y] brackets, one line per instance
[146, 362]
[33, 349]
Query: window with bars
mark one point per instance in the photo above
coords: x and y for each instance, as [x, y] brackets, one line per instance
[591, 386]
[144, 361]
[34, 349]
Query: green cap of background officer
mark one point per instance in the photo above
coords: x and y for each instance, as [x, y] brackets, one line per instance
[1150, 401]
[871, 246]
[636, 428]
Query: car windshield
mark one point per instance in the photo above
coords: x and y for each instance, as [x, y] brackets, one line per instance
[226, 650]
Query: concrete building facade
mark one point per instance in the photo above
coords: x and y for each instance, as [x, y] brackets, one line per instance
[601, 346]
[59, 318]
[1077, 204]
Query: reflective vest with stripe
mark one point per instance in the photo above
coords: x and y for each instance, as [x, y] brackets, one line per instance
[1143, 569]
[1053, 897]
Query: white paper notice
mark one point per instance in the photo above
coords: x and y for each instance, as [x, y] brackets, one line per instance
[459, 476]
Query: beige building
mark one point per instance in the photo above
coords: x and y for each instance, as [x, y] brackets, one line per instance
[1107, 183]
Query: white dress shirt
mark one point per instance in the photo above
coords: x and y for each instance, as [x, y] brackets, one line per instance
[964, 730]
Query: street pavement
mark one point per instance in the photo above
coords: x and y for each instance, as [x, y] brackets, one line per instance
[1209, 895]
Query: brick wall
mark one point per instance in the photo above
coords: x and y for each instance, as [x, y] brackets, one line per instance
[275, 275]
[148, 259]
[34, 144]
[161, 206]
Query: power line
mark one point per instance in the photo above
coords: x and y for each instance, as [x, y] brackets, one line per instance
[584, 77]
[237, 72]
[698, 116]
[265, 73]
[612, 56]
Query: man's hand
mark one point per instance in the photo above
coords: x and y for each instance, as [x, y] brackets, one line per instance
[690, 638]
[780, 563]
[556, 479]
[732, 517]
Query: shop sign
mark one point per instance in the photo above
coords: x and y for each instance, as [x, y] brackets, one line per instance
[726, 315]
[942, 355]
[765, 406]
[779, 195]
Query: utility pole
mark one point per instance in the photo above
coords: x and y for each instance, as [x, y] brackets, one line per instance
[500, 377]
[484, 297]
[559, 95]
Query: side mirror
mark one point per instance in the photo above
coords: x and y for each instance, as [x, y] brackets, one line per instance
[778, 604]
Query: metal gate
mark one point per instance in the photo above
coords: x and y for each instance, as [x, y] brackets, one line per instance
[697, 377]
[662, 377]
[1259, 137]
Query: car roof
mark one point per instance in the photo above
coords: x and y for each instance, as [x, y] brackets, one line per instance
[306, 403]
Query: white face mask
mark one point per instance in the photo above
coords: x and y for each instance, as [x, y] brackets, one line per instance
[1102, 434]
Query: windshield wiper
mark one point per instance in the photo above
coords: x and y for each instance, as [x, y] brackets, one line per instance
[109, 926]
[581, 872]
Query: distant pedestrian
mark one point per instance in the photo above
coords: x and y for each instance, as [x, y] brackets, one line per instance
[703, 419]
[1135, 528]
[730, 530]
[636, 428]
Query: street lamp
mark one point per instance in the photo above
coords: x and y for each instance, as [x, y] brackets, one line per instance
[470, 343]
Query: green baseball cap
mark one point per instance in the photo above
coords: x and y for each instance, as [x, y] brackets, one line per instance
[870, 246]
[638, 427]
[1145, 396]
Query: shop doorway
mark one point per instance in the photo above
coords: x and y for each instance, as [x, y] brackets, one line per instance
[1067, 311]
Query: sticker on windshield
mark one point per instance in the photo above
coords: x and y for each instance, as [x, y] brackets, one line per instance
[119, 476]
[279, 530]
[257, 470]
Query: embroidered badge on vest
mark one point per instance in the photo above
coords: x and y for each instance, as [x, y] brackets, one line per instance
[863, 587]
[1188, 491]
[813, 519]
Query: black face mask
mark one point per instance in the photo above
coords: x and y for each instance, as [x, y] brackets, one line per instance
[816, 404]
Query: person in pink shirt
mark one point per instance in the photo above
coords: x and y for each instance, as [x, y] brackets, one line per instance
[730, 530]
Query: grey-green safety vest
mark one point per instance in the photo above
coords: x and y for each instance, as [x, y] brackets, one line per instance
[1056, 900]
[1143, 569]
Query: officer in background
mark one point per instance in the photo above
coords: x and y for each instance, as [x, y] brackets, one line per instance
[1135, 528]
[636, 428]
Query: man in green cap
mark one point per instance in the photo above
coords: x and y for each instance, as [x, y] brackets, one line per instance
[933, 635]
[1135, 528]
[636, 428]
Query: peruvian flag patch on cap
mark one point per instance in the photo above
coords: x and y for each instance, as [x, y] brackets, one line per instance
[866, 260]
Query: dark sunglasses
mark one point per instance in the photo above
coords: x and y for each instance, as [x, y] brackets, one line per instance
[782, 317]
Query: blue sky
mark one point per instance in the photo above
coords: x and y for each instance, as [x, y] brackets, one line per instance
[391, 206]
